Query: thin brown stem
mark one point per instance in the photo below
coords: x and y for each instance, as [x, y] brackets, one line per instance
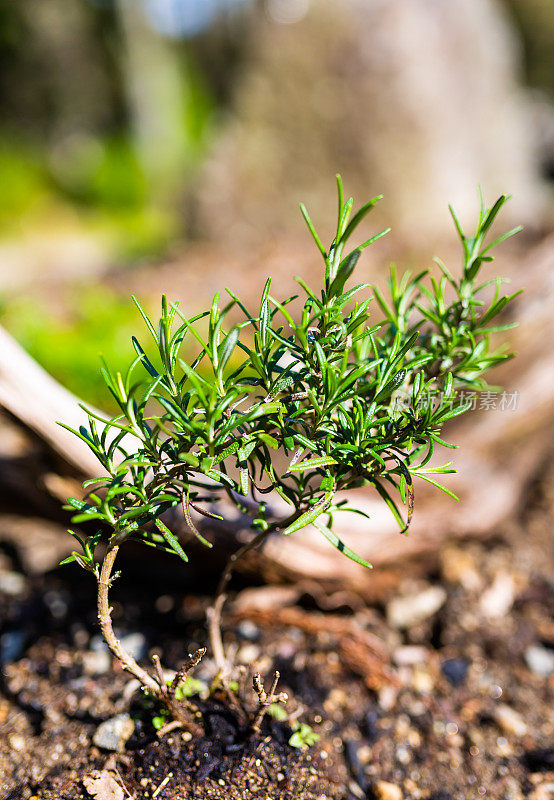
[182, 712]
[215, 610]
[214, 632]
[105, 617]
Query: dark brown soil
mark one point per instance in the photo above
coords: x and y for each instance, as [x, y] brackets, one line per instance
[455, 703]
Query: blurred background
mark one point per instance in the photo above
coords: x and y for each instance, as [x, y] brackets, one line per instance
[150, 145]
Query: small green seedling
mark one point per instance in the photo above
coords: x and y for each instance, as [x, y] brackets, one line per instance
[304, 736]
[298, 399]
[185, 690]
[277, 712]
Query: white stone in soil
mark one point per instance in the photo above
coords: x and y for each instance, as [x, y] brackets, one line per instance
[497, 600]
[540, 660]
[411, 609]
[114, 733]
[510, 720]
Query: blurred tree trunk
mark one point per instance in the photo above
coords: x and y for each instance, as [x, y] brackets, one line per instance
[418, 100]
[58, 76]
[156, 86]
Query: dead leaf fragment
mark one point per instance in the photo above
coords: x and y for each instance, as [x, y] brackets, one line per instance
[103, 786]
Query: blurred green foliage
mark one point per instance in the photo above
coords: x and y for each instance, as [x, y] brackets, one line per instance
[104, 195]
[24, 182]
[200, 112]
[97, 183]
[104, 173]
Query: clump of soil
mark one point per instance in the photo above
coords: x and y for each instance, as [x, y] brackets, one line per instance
[225, 765]
[445, 692]
[52, 707]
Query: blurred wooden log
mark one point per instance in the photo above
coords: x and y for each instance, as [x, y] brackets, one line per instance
[31, 395]
[501, 452]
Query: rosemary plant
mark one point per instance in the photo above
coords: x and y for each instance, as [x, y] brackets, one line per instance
[300, 405]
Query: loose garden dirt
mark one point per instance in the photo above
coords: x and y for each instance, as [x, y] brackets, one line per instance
[444, 691]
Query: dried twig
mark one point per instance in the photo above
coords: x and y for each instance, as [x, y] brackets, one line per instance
[162, 784]
[181, 710]
[122, 783]
[266, 699]
[159, 673]
[181, 675]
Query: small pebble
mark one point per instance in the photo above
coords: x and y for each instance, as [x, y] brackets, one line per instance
[540, 660]
[407, 611]
[17, 742]
[403, 754]
[12, 644]
[498, 599]
[504, 747]
[248, 630]
[135, 644]
[164, 603]
[544, 791]
[383, 790]
[410, 654]
[423, 681]
[57, 603]
[248, 653]
[387, 697]
[97, 663]
[458, 566]
[97, 644]
[455, 670]
[12, 583]
[114, 733]
[510, 720]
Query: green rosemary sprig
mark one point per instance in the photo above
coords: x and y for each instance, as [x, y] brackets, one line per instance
[302, 403]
